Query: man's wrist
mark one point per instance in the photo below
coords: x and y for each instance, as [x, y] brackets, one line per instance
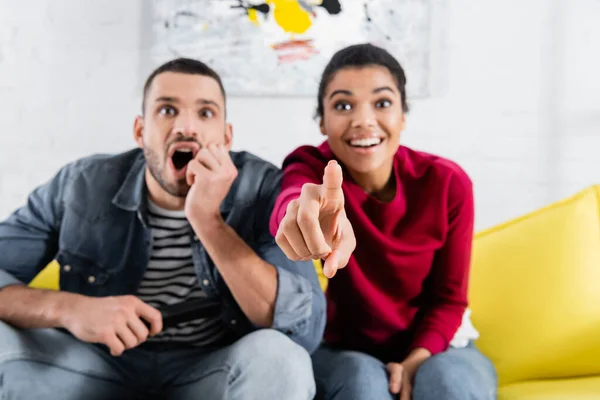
[59, 310]
[205, 225]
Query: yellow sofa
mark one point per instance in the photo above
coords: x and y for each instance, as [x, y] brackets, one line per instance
[48, 278]
[535, 299]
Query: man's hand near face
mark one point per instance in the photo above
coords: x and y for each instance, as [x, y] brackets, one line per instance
[210, 175]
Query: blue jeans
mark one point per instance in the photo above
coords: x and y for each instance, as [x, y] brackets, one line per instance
[456, 374]
[48, 363]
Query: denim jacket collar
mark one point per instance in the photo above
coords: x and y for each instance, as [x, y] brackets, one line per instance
[133, 190]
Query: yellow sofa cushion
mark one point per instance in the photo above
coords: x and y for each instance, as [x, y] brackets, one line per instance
[535, 292]
[559, 389]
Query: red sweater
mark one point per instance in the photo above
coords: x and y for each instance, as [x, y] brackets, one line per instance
[405, 285]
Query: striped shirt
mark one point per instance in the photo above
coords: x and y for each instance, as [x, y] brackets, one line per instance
[171, 278]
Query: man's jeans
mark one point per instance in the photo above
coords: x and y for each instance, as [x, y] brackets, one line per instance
[456, 374]
[48, 363]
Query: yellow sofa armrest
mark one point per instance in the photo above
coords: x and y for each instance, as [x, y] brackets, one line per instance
[323, 281]
[48, 278]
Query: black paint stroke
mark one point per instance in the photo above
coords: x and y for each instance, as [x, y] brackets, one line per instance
[372, 25]
[333, 7]
[366, 9]
[262, 8]
[180, 15]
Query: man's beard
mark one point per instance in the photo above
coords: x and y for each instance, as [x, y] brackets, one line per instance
[178, 189]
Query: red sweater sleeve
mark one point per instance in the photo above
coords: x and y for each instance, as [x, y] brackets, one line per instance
[450, 272]
[299, 167]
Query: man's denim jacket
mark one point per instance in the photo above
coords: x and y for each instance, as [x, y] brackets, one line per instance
[91, 218]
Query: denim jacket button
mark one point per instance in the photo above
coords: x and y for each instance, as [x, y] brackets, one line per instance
[205, 282]
[91, 279]
[67, 268]
[233, 322]
[195, 238]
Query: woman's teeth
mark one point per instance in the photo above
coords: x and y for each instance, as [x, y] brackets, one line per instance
[365, 142]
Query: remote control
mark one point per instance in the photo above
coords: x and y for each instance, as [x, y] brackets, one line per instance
[187, 311]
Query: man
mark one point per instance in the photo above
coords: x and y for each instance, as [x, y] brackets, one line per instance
[181, 221]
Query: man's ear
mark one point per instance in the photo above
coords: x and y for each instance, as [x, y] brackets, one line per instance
[138, 131]
[228, 135]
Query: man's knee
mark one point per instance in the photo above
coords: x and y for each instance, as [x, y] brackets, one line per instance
[454, 378]
[36, 344]
[12, 342]
[30, 379]
[288, 364]
[7, 330]
[270, 347]
[349, 375]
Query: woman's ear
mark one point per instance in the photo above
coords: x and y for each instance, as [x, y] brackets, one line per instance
[322, 126]
[403, 122]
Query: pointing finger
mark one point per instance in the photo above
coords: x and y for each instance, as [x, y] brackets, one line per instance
[331, 191]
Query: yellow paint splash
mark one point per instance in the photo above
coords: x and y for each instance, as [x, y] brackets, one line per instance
[253, 17]
[290, 16]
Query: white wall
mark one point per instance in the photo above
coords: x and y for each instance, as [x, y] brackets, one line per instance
[68, 79]
[521, 114]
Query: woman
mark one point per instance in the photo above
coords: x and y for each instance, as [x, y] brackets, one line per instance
[401, 223]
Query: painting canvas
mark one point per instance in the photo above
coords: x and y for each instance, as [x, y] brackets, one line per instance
[280, 47]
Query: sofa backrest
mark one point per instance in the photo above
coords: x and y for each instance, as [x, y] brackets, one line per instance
[535, 291]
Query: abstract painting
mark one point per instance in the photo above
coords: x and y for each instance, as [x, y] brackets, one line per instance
[280, 47]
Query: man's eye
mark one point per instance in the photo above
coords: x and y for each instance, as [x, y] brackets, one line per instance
[167, 110]
[343, 107]
[206, 113]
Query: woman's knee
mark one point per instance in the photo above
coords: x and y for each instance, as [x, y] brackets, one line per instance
[458, 374]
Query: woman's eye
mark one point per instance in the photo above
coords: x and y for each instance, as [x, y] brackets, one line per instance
[206, 113]
[167, 110]
[383, 104]
[343, 107]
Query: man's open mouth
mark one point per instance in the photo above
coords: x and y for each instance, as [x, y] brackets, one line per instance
[182, 157]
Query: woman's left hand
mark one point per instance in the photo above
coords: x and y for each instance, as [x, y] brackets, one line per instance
[401, 379]
[402, 374]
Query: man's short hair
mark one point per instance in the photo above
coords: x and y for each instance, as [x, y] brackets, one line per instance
[183, 66]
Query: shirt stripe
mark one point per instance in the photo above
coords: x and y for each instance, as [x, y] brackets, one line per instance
[170, 278]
